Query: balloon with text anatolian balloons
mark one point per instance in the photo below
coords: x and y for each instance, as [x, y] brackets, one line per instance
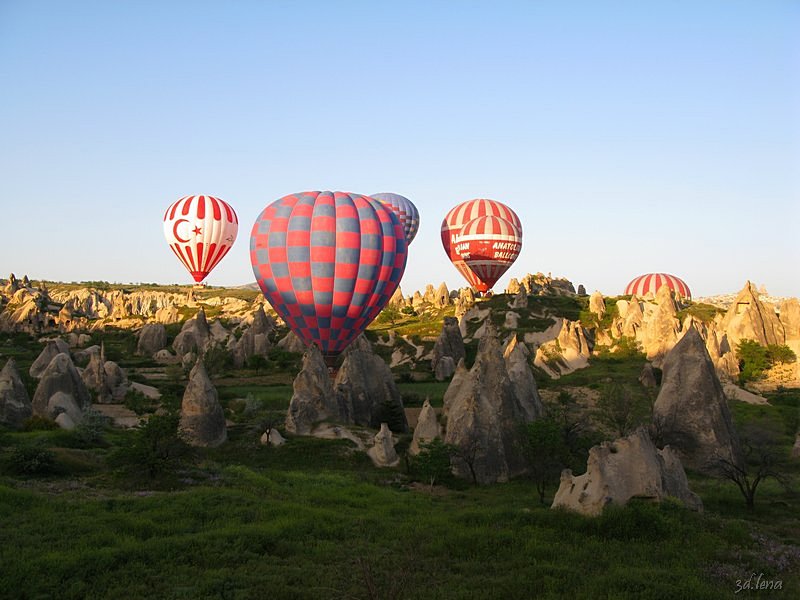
[200, 230]
[328, 262]
[489, 245]
[462, 214]
[405, 211]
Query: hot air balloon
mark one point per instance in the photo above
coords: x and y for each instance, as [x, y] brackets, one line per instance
[489, 245]
[200, 230]
[328, 262]
[405, 211]
[460, 216]
[650, 282]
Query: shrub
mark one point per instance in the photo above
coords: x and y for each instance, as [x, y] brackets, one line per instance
[32, 459]
[154, 447]
[755, 359]
[91, 430]
[432, 464]
[37, 423]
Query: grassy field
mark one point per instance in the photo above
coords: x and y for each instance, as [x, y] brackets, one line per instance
[315, 519]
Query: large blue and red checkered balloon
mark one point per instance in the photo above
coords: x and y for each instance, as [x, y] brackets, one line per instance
[328, 262]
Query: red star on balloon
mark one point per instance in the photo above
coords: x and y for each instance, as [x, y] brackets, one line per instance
[196, 230]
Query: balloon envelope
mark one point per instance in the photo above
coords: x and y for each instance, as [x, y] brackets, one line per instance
[328, 262]
[405, 211]
[489, 246]
[650, 282]
[459, 216]
[200, 230]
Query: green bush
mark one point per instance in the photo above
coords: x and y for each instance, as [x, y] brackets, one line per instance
[32, 459]
[154, 448]
[37, 423]
[755, 359]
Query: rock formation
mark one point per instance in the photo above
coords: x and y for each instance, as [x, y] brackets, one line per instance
[748, 318]
[152, 339]
[516, 356]
[94, 376]
[660, 326]
[255, 340]
[365, 389]
[60, 376]
[15, 405]
[520, 299]
[442, 297]
[597, 305]
[427, 428]
[691, 413]
[194, 336]
[648, 377]
[448, 349]
[53, 347]
[202, 420]
[272, 438]
[291, 343]
[568, 352]
[313, 399]
[630, 467]
[796, 447]
[483, 416]
[382, 452]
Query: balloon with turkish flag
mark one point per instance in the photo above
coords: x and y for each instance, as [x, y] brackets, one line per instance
[200, 230]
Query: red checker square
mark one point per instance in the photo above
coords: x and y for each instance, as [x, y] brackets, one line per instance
[293, 310]
[305, 297]
[348, 239]
[322, 284]
[346, 210]
[302, 210]
[371, 257]
[342, 298]
[346, 271]
[277, 255]
[298, 238]
[323, 254]
[300, 269]
[363, 286]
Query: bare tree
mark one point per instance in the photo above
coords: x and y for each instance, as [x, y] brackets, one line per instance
[762, 458]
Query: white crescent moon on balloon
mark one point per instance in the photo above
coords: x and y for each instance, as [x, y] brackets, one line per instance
[175, 230]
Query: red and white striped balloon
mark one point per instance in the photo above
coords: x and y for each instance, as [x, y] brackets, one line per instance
[489, 245]
[651, 282]
[462, 214]
[200, 230]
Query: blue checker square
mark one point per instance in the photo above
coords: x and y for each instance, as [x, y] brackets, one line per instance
[301, 284]
[307, 310]
[348, 224]
[350, 256]
[323, 269]
[279, 269]
[298, 253]
[297, 223]
[277, 239]
[339, 311]
[323, 298]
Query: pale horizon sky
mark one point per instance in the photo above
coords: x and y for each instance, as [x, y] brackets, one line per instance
[630, 137]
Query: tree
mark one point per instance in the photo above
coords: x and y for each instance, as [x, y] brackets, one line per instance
[432, 464]
[468, 453]
[257, 362]
[621, 409]
[762, 458]
[545, 451]
[154, 447]
[390, 314]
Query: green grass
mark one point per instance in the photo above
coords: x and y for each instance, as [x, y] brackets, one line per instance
[417, 392]
[701, 312]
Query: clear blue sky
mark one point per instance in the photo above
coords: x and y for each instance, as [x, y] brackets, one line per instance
[628, 136]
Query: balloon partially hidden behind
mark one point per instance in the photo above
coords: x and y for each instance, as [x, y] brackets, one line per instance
[328, 262]
[200, 230]
[405, 211]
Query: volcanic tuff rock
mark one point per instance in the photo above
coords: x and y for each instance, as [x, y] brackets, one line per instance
[94, 376]
[516, 356]
[483, 416]
[15, 405]
[597, 304]
[382, 452]
[427, 428]
[60, 376]
[568, 352]
[749, 318]
[796, 447]
[365, 389]
[291, 343]
[648, 377]
[255, 339]
[152, 339]
[313, 399]
[660, 326]
[790, 318]
[691, 413]
[630, 467]
[520, 299]
[202, 420]
[273, 438]
[450, 345]
[194, 335]
[53, 347]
